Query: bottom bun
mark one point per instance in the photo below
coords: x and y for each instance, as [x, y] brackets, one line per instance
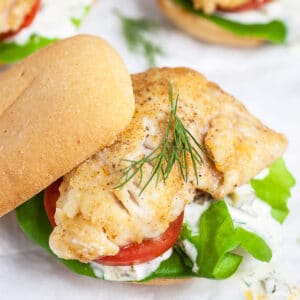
[204, 29]
[163, 281]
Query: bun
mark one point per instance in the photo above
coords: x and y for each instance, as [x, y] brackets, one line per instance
[203, 29]
[58, 107]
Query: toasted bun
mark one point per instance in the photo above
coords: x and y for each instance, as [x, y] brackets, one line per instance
[163, 281]
[58, 107]
[203, 29]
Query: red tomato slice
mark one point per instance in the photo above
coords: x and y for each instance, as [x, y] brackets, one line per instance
[27, 21]
[133, 254]
[51, 195]
[251, 5]
[130, 254]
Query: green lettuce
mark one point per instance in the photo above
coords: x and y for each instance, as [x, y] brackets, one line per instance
[275, 189]
[274, 31]
[215, 243]
[11, 52]
[178, 265]
[216, 240]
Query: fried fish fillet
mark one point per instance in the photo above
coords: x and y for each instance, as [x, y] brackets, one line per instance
[12, 13]
[209, 6]
[95, 219]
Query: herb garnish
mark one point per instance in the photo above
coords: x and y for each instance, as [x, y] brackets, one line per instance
[177, 147]
[135, 32]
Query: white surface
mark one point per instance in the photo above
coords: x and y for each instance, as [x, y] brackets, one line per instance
[266, 79]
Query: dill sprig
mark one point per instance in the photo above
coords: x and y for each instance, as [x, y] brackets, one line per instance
[136, 33]
[177, 147]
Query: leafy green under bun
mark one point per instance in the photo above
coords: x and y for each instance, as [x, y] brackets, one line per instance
[215, 242]
[274, 31]
[11, 52]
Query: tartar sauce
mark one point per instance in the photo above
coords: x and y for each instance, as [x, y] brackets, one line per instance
[129, 273]
[246, 211]
[256, 280]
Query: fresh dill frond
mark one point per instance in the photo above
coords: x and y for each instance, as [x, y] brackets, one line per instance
[178, 146]
[137, 34]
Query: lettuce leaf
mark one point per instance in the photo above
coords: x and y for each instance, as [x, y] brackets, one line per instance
[11, 52]
[253, 244]
[275, 188]
[274, 31]
[178, 265]
[216, 240]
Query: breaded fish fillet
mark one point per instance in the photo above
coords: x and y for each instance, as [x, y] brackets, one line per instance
[94, 219]
[13, 12]
[209, 6]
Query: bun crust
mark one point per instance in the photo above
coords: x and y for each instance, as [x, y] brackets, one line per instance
[203, 29]
[58, 107]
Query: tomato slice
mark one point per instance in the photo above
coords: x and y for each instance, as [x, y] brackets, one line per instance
[51, 195]
[149, 249]
[130, 254]
[26, 22]
[251, 5]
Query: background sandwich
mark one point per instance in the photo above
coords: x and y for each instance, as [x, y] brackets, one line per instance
[107, 218]
[28, 25]
[241, 23]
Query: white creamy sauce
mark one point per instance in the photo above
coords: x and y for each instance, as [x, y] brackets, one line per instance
[254, 215]
[192, 214]
[285, 10]
[54, 20]
[191, 252]
[129, 273]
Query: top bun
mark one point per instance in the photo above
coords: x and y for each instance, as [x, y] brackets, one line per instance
[58, 107]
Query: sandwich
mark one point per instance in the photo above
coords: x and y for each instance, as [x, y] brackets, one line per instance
[28, 25]
[238, 23]
[153, 178]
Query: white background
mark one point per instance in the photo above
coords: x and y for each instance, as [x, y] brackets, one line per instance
[266, 80]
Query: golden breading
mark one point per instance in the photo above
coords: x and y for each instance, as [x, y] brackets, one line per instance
[209, 6]
[13, 12]
[94, 219]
